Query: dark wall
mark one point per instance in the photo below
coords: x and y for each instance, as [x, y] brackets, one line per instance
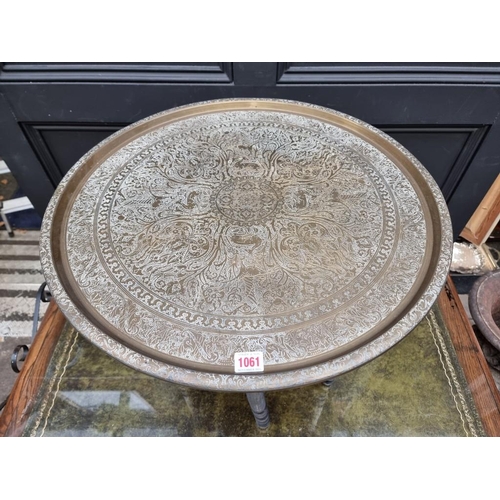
[445, 114]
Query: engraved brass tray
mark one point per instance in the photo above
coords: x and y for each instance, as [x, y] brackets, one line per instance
[246, 225]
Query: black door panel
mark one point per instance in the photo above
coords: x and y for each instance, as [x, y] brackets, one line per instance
[445, 114]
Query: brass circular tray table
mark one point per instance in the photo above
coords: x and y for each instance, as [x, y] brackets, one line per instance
[246, 226]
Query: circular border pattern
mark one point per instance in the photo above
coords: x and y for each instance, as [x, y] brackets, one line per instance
[267, 381]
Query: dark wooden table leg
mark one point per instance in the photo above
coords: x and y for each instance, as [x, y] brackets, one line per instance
[260, 411]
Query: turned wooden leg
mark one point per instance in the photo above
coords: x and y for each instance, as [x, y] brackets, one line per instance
[259, 408]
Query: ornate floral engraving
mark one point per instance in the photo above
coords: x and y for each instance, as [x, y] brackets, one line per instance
[247, 230]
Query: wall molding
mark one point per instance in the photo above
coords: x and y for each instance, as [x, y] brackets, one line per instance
[117, 72]
[465, 157]
[33, 133]
[373, 73]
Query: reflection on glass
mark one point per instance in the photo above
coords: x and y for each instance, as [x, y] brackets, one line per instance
[94, 399]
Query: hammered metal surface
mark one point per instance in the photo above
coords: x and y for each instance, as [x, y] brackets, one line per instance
[287, 229]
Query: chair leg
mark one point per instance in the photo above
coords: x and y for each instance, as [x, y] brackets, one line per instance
[259, 408]
[6, 222]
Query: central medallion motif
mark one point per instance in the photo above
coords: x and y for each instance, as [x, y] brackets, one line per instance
[245, 224]
[247, 201]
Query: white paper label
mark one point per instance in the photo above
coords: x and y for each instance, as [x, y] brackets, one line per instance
[245, 362]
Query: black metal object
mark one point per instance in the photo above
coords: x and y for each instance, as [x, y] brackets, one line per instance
[42, 295]
[21, 351]
[19, 355]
